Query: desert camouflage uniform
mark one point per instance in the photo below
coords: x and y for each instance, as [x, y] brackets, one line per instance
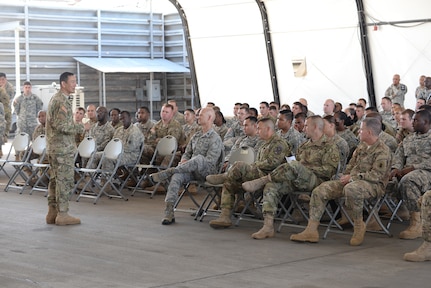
[118, 125]
[102, 134]
[401, 134]
[132, 140]
[415, 150]
[202, 155]
[270, 155]
[369, 170]
[351, 139]
[222, 130]
[26, 108]
[39, 130]
[390, 141]
[190, 130]
[60, 135]
[250, 141]
[426, 216]
[293, 137]
[315, 162]
[396, 93]
[144, 127]
[180, 118]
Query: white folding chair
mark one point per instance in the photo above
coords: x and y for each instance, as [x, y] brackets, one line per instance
[41, 167]
[84, 157]
[166, 148]
[21, 146]
[101, 179]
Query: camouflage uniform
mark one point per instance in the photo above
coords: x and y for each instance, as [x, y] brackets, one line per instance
[222, 130]
[202, 155]
[415, 150]
[231, 121]
[343, 149]
[26, 108]
[250, 141]
[39, 130]
[180, 118]
[390, 141]
[118, 125]
[401, 134]
[426, 216]
[5, 100]
[2, 124]
[102, 134]
[419, 92]
[293, 137]
[369, 170]
[316, 161]
[232, 134]
[388, 118]
[10, 90]
[132, 140]
[144, 127]
[351, 140]
[270, 155]
[60, 135]
[396, 93]
[190, 130]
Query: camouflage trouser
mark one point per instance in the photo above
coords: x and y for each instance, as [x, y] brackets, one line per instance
[426, 216]
[147, 155]
[29, 129]
[196, 168]
[239, 172]
[355, 193]
[126, 158]
[285, 179]
[61, 182]
[412, 186]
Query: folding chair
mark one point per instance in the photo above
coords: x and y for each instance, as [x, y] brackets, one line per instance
[196, 210]
[131, 170]
[166, 149]
[40, 169]
[245, 154]
[21, 147]
[100, 178]
[84, 154]
[19, 144]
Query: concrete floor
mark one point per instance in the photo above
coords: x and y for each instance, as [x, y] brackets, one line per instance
[122, 244]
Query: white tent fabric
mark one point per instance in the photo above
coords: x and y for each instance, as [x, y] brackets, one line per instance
[231, 61]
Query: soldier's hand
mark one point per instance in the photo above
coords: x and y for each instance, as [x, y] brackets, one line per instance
[87, 126]
[225, 164]
[406, 170]
[345, 179]
[394, 173]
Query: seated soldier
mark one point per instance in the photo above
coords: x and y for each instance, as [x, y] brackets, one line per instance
[316, 161]
[200, 159]
[287, 132]
[365, 177]
[114, 116]
[271, 154]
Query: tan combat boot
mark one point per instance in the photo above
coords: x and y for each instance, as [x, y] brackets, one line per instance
[63, 218]
[169, 214]
[373, 225]
[223, 221]
[216, 179]
[423, 253]
[267, 231]
[415, 228]
[52, 214]
[256, 184]
[162, 175]
[359, 229]
[310, 234]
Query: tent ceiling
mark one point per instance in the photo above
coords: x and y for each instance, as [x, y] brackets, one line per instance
[132, 65]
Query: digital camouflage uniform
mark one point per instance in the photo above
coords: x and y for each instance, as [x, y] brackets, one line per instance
[118, 125]
[401, 134]
[351, 139]
[343, 149]
[144, 127]
[293, 137]
[202, 155]
[396, 93]
[5, 100]
[270, 155]
[26, 108]
[426, 216]
[390, 141]
[250, 141]
[419, 92]
[102, 134]
[221, 130]
[389, 118]
[190, 130]
[235, 131]
[316, 161]
[60, 135]
[369, 169]
[180, 118]
[39, 130]
[415, 150]
[132, 140]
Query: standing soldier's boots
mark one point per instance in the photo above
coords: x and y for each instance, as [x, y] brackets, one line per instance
[63, 218]
[359, 229]
[256, 184]
[169, 214]
[223, 221]
[267, 231]
[415, 228]
[52, 214]
[423, 253]
[310, 234]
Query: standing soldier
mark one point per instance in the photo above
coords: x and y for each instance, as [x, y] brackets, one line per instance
[3, 95]
[26, 106]
[60, 133]
[5, 100]
[397, 91]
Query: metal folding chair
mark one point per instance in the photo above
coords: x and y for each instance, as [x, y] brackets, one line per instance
[41, 167]
[83, 158]
[101, 179]
[21, 146]
[166, 148]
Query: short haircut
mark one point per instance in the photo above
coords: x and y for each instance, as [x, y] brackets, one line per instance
[372, 108]
[375, 115]
[301, 115]
[363, 99]
[245, 108]
[254, 110]
[268, 122]
[387, 98]
[353, 104]
[26, 83]
[191, 110]
[426, 114]
[117, 109]
[373, 124]
[145, 109]
[265, 103]
[246, 105]
[316, 120]
[273, 107]
[330, 119]
[409, 112]
[125, 112]
[360, 107]
[341, 115]
[81, 109]
[288, 114]
[218, 112]
[211, 103]
[64, 76]
[2, 74]
[167, 105]
[252, 119]
[238, 104]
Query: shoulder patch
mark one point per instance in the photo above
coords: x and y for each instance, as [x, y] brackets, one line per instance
[278, 150]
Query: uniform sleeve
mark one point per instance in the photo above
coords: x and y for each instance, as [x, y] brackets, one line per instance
[39, 105]
[379, 168]
[176, 131]
[399, 158]
[330, 161]
[17, 105]
[214, 150]
[61, 122]
[275, 155]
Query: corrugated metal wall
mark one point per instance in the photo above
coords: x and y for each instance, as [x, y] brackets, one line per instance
[53, 36]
